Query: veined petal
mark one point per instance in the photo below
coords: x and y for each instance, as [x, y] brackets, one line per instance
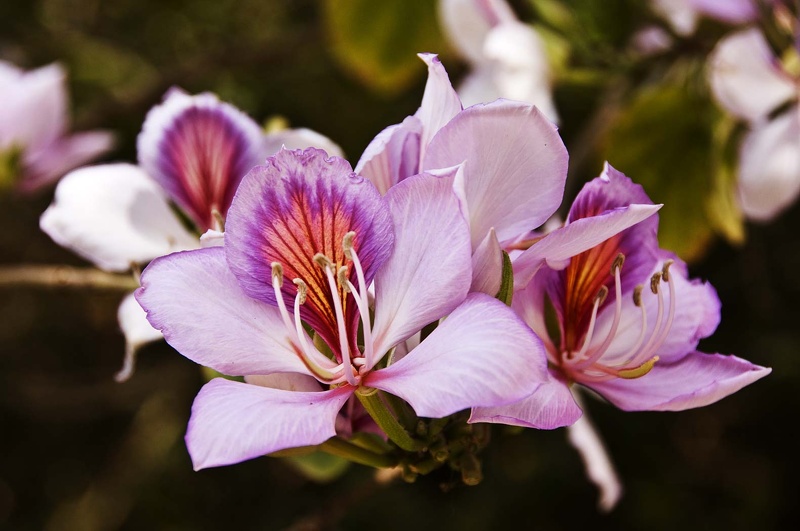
[745, 76]
[558, 246]
[198, 149]
[769, 166]
[516, 166]
[487, 266]
[429, 271]
[133, 322]
[479, 86]
[696, 380]
[300, 138]
[233, 421]
[440, 103]
[466, 23]
[481, 355]
[585, 439]
[114, 215]
[393, 155]
[197, 304]
[34, 110]
[288, 381]
[550, 406]
[47, 164]
[298, 205]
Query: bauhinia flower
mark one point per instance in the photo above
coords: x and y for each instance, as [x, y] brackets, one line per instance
[35, 148]
[752, 84]
[306, 240]
[193, 151]
[622, 319]
[508, 57]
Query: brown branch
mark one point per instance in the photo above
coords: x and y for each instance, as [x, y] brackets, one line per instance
[48, 276]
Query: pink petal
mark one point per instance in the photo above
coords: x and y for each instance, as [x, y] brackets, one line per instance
[440, 104]
[114, 215]
[198, 149]
[137, 330]
[696, 380]
[233, 421]
[198, 305]
[45, 165]
[393, 155]
[487, 266]
[550, 406]
[516, 166]
[599, 468]
[300, 138]
[429, 271]
[730, 11]
[481, 355]
[34, 110]
[466, 23]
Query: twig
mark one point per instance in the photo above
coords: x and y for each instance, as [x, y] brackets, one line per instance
[47, 276]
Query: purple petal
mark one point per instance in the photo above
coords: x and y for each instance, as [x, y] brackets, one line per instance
[696, 380]
[34, 110]
[467, 23]
[429, 271]
[45, 165]
[300, 138]
[233, 421]
[393, 155]
[516, 165]
[487, 266]
[585, 439]
[198, 149]
[550, 406]
[440, 104]
[197, 304]
[299, 204]
[730, 11]
[481, 355]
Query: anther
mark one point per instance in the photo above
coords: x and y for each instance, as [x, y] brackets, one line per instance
[277, 271]
[323, 261]
[341, 277]
[617, 263]
[665, 270]
[637, 295]
[655, 280]
[347, 244]
[638, 372]
[601, 295]
[302, 290]
[219, 219]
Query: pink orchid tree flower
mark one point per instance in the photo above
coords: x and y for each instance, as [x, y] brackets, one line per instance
[749, 82]
[508, 58]
[193, 152]
[35, 148]
[622, 319]
[306, 238]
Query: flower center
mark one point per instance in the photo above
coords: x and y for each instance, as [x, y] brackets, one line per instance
[593, 362]
[353, 362]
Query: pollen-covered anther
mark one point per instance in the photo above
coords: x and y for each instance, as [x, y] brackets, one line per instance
[602, 293]
[617, 263]
[277, 271]
[665, 270]
[219, 219]
[341, 278]
[302, 290]
[637, 295]
[347, 244]
[655, 280]
[638, 372]
[323, 261]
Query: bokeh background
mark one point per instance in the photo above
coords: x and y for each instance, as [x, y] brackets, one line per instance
[80, 452]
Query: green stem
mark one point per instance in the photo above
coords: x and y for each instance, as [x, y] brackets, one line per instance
[372, 402]
[347, 450]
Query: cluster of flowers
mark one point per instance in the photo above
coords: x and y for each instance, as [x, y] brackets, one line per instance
[390, 312]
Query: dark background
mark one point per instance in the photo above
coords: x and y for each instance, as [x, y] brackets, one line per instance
[80, 452]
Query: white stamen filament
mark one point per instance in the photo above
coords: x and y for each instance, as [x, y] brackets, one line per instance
[337, 306]
[361, 296]
[590, 332]
[598, 353]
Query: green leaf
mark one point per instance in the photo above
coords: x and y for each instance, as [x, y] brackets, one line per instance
[664, 140]
[321, 467]
[506, 291]
[377, 42]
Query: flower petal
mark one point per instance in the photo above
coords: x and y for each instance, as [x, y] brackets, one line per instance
[487, 266]
[745, 78]
[45, 165]
[300, 138]
[730, 11]
[298, 205]
[769, 166]
[696, 380]
[516, 166]
[34, 110]
[233, 421]
[599, 468]
[132, 320]
[198, 149]
[481, 355]
[197, 304]
[114, 215]
[440, 103]
[429, 271]
[393, 155]
[550, 406]
[466, 23]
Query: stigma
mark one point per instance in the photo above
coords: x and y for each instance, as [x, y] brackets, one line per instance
[594, 361]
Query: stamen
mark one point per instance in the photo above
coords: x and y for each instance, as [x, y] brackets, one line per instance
[302, 290]
[361, 296]
[598, 300]
[637, 295]
[617, 264]
[655, 280]
[323, 261]
[341, 278]
[277, 284]
[337, 305]
[616, 268]
[638, 372]
[347, 244]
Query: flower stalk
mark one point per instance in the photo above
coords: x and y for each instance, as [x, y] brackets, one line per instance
[376, 407]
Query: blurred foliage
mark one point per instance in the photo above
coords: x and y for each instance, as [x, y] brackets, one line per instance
[378, 41]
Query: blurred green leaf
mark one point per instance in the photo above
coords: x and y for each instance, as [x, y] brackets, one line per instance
[664, 139]
[321, 467]
[377, 42]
